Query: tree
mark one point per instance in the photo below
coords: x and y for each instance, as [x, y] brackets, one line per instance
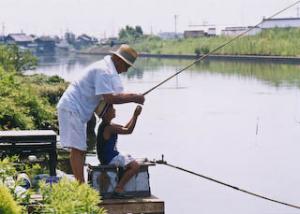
[130, 33]
[139, 30]
[12, 58]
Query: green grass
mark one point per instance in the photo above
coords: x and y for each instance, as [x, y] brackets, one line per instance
[275, 42]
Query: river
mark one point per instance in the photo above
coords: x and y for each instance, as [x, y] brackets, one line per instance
[238, 122]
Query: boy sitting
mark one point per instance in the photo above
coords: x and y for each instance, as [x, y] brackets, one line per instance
[107, 147]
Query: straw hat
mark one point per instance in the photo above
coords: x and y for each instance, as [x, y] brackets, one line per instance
[126, 53]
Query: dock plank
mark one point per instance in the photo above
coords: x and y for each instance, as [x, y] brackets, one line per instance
[149, 205]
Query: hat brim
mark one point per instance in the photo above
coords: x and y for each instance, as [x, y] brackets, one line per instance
[125, 60]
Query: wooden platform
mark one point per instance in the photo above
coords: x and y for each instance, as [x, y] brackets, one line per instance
[149, 205]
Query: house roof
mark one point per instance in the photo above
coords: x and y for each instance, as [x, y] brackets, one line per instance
[20, 37]
[85, 37]
[45, 39]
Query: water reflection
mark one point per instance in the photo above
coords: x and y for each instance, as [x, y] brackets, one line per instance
[277, 75]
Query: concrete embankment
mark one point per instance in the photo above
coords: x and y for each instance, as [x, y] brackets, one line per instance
[251, 58]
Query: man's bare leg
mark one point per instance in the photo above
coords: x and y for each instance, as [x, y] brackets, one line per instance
[77, 162]
[132, 169]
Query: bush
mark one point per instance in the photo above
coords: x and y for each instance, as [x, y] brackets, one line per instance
[70, 197]
[197, 51]
[29, 102]
[205, 50]
[14, 59]
[7, 203]
[7, 168]
[55, 79]
[8, 175]
[52, 93]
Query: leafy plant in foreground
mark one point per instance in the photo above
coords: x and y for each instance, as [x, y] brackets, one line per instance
[70, 197]
[7, 203]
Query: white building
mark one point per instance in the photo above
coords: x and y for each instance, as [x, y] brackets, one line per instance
[280, 23]
[212, 31]
[234, 31]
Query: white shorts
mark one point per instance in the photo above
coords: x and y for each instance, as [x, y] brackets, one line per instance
[121, 160]
[72, 130]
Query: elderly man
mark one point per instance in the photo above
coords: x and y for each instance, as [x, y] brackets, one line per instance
[100, 82]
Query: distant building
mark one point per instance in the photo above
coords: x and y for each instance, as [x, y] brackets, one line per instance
[57, 39]
[112, 41]
[19, 39]
[85, 41]
[194, 33]
[167, 35]
[211, 31]
[234, 31]
[45, 44]
[63, 46]
[2, 39]
[280, 23]
[170, 35]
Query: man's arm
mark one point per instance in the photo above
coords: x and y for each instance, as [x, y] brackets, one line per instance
[124, 98]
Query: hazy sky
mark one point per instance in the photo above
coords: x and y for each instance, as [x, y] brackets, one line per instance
[106, 17]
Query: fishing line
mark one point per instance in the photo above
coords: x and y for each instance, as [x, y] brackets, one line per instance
[296, 107]
[219, 47]
[162, 161]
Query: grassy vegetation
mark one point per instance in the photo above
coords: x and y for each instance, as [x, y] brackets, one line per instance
[274, 42]
[27, 102]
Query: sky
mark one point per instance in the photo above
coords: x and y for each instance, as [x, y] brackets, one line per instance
[104, 18]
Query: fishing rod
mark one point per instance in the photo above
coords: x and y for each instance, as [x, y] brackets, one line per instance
[162, 161]
[218, 48]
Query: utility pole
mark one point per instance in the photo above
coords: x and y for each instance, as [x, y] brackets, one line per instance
[175, 19]
[3, 29]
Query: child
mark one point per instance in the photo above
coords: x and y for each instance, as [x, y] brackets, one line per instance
[107, 146]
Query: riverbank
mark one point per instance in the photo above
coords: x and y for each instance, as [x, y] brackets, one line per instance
[274, 45]
[253, 58]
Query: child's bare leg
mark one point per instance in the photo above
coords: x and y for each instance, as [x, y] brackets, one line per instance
[131, 170]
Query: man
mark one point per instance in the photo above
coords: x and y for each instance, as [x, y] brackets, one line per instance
[100, 81]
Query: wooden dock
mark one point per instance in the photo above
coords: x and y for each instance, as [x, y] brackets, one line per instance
[148, 205]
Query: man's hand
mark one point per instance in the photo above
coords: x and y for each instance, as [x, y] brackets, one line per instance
[139, 98]
[138, 110]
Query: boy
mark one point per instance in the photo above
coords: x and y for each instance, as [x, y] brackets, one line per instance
[107, 147]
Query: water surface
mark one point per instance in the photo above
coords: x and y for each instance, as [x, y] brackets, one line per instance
[233, 121]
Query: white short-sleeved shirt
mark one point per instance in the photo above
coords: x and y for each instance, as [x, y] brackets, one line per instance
[84, 94]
